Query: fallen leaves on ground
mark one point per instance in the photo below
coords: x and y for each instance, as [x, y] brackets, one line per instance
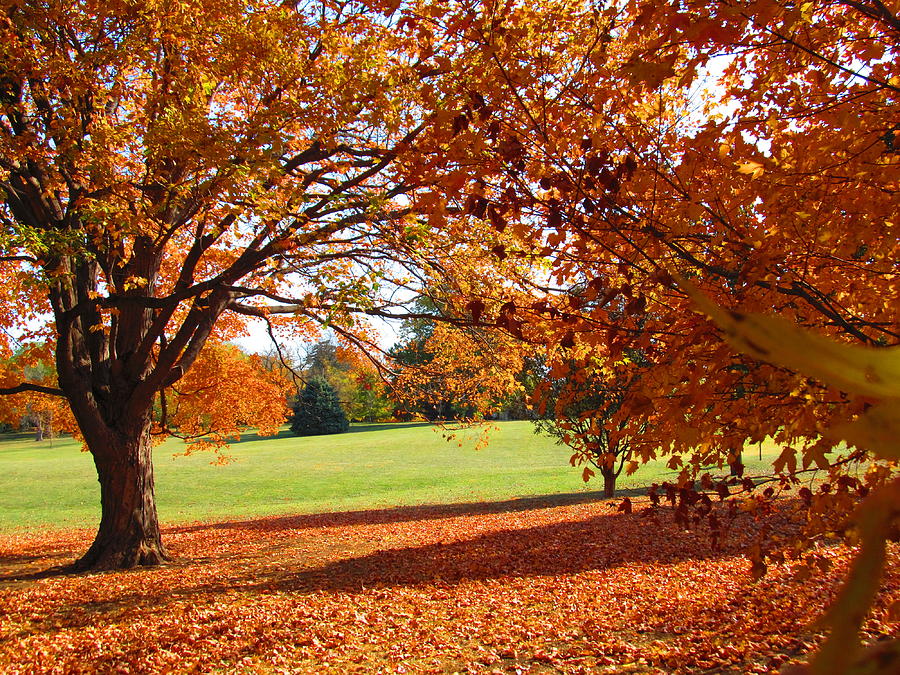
[574, 589]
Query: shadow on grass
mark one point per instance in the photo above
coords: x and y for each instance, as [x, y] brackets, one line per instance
[402, 514]
[393, 426]
[17, 436]
[28, 437]
[15, 568]
[253, 436]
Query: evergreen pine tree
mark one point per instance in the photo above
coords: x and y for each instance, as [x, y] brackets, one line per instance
[318, 411]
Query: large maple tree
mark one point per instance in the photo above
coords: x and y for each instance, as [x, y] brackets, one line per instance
[171, 168]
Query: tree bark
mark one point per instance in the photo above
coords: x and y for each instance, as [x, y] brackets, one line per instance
[736, 466]
[609, 482]
[129, 534]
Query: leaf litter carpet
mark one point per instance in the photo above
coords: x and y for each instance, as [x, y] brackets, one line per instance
[515, 587]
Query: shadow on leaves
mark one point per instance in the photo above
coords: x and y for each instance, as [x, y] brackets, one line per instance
[403, 514]
[550, 550]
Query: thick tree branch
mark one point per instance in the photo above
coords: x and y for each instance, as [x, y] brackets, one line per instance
[20, 258]
[31, 386]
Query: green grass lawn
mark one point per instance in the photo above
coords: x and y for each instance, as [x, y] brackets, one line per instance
[53, 484]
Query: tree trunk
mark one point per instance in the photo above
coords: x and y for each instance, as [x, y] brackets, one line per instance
[737, 465]
[609, 482]
[128, 535]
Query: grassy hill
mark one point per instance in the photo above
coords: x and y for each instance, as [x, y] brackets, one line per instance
[52, 484]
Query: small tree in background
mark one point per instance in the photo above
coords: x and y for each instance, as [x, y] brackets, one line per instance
[583, 420]
[371, 401]
[586, 413]
[318, 411]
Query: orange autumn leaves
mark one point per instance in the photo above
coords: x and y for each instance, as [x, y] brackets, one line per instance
[512, 588]
[225, 392]
[32, 364]
[475, 368]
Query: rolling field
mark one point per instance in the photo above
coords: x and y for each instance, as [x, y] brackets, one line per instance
[53, 484]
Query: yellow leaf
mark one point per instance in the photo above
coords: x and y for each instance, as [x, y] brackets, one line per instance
[695, 211]
[135, 282]
[816, 455]
[806, 10]
[787, 460]
[689, 436]
[846, 614]
[650, 73]
[753, 169]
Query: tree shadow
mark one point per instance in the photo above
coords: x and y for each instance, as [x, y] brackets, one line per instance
[401, 514]
[253, 436]
[17, 436]
[361, 428]
[597, 543]
[31, 567]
